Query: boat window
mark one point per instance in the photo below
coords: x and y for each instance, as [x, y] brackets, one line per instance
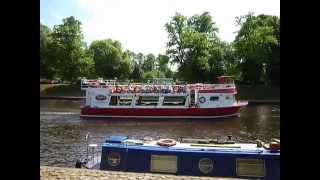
[125, 101]
[214, 98]
[147, 101]
[120, 101]
[113, 100]
[174, 100]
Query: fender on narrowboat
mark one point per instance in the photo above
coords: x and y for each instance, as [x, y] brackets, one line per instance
[195, 157]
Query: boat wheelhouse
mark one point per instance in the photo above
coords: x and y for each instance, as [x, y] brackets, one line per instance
[160, 99]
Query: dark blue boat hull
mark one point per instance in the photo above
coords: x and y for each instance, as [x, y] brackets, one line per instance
[223, 162]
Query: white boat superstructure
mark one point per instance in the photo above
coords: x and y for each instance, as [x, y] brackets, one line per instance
[162, 95]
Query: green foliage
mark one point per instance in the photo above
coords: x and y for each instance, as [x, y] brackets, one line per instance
[153, 74]
[110, 61]
[46, 69]
[149, 63]
[162, 62]
[253, 58]
[168, 73]
[139, 58]
[223, 60]
[175, 29]
[67, 50]
[126, 68]
[257, 45]
[137, 72]
[149, 75]
[87, 66]
[190, 43]
[193, 45]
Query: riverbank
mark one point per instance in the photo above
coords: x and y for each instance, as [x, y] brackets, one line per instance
[60, 90]
[255, 94]
[48, 172]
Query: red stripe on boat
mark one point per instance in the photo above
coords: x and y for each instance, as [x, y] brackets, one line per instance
[165, 112]
[231, 90]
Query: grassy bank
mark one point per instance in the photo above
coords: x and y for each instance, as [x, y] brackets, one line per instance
[60, 90]
[245, 92]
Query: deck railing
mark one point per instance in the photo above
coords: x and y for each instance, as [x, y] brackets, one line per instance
[148, 87]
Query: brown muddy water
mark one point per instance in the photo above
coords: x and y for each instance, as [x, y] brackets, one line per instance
[62, 132]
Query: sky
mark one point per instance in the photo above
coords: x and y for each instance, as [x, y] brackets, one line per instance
[139, 24]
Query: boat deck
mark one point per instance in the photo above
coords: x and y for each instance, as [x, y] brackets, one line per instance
[244, 147]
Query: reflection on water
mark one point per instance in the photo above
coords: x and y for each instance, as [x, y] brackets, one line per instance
[62, 132]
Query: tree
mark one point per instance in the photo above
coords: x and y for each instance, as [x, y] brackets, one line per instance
[152, 75]
[175, 46]
[169, 73]
[139, 58]
[162, 66]
[223, 60]
[67, 50]
[137, 72]
[126, 68]
[46, 69]
[257, 44]
[87, 67]
[110, 61]
[231, 62]
[190, 40]
[162, 62]
[216, 61]
[149, 63]
[196, 67]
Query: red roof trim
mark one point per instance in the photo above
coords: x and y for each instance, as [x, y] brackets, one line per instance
[233, 90]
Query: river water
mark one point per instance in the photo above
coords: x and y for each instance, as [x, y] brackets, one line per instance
[62, 132]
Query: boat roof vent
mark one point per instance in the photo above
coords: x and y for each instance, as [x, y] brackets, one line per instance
[116, 139]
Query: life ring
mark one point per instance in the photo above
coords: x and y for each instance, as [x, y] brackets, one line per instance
[167, 142]
[273, 146]
[202, 99]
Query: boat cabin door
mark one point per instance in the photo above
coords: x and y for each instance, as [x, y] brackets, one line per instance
[194, 97]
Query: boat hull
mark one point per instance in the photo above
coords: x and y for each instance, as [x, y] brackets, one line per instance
[224, 160]
[184, 113]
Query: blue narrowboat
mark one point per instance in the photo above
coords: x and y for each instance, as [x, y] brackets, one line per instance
[195, 157]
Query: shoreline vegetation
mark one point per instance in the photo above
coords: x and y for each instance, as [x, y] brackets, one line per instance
[193, 46]
[194, 52]
[255, 94]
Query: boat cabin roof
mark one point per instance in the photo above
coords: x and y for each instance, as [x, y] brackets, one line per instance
[122, 141]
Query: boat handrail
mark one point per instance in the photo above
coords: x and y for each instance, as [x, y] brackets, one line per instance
[149, 88]
[91, 154]
[199, 148]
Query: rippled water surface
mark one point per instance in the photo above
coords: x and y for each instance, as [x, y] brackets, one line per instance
[62, 132]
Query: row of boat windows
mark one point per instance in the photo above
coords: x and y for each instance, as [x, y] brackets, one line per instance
[148, 101]
[154, 100]
[216, 98]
